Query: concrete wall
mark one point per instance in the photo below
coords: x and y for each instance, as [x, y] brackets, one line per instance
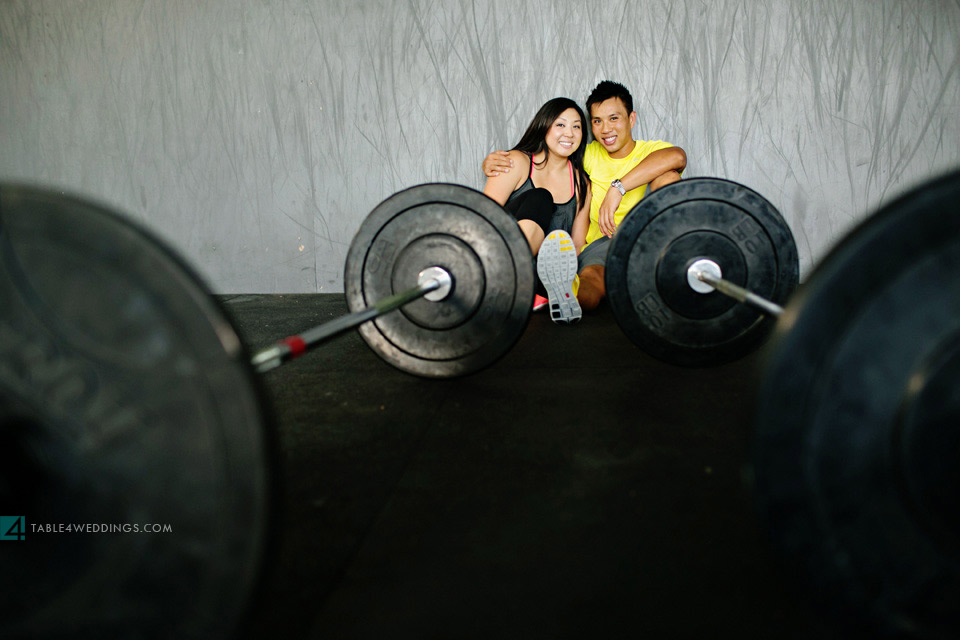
[255, 135]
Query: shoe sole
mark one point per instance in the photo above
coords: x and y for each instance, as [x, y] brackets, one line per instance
[556, 266]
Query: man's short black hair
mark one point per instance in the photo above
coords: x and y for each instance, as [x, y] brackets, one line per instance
[606, 90]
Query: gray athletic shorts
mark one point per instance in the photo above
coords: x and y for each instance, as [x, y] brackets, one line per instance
[594, 253]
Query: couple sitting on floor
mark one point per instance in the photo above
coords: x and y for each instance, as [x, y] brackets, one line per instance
[569, 198]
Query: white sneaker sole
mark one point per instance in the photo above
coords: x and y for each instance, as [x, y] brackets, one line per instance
[557, 266]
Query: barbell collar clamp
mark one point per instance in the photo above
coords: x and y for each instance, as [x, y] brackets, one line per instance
[442, 277]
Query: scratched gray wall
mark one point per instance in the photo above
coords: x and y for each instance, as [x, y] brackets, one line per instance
[254, 135]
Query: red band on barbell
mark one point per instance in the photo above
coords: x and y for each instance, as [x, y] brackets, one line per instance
[297, 346]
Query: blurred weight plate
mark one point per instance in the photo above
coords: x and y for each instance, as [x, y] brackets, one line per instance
[126, 402]
[857, 460]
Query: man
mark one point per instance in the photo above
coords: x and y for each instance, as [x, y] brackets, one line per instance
[620, 170]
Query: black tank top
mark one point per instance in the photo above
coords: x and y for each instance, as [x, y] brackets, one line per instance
[563, 214]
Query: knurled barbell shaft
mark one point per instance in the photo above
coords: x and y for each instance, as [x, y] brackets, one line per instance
[296, 345]
[740, 294]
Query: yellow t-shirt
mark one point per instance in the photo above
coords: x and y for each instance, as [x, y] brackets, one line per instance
[603, 170]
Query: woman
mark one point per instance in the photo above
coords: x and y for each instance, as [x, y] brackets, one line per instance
[551, 191]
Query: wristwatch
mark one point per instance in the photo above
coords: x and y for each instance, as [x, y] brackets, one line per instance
[616, 184]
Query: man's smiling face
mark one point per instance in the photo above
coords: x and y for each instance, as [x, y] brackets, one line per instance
[612, 125]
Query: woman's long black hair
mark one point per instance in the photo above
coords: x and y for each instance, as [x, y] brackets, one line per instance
[533, 141]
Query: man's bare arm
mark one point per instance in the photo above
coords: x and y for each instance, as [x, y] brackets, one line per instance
[652, 167]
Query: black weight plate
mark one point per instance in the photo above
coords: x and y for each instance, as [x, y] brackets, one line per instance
[646, 270]
[857, 451]
[126, 403]
[483, 249]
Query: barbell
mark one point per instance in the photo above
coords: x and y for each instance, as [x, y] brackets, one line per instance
[127, 398]
[458, 266]
[114, 352]
[856, 458]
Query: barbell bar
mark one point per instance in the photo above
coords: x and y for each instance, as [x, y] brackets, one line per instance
[432, 280]
[710, 276]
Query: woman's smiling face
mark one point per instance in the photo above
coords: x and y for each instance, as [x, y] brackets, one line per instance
[565, 134]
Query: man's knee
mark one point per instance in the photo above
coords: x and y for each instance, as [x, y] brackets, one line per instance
[664, 179]
[592, 289]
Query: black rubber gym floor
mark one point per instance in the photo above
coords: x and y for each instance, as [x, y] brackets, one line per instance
[577, 488]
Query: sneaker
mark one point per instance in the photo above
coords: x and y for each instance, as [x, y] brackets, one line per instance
[557, 268]
[539, 302]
